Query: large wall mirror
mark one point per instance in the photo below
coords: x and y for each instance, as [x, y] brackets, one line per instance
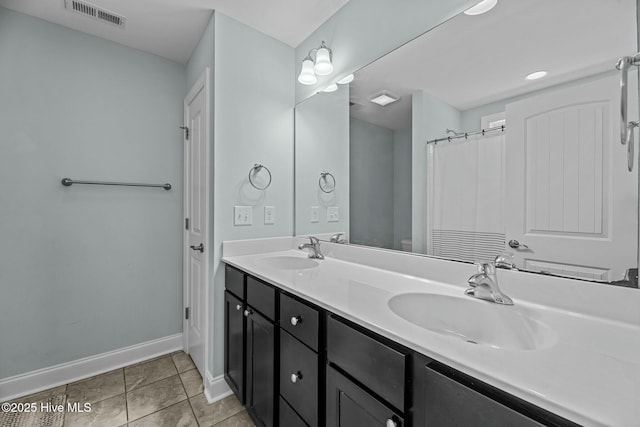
[491, 133]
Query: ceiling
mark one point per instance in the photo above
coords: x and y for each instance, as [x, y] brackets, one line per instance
[172, 28]
[470, 61]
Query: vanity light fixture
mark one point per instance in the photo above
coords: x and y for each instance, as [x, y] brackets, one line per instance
[321, 66]
[384, 98]
[346, 80]
[537, 75]
[481, 7]
[331, 88]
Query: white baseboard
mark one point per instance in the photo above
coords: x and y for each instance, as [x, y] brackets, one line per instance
[42, 379]
[216, 388]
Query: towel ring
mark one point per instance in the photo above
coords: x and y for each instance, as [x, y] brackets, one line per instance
[254, 171]
[323, 177]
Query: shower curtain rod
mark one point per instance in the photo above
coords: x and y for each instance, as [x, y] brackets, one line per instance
[467, 134]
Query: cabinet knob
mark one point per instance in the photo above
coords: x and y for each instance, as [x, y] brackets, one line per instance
[295, 320]
[238, 307]
[295, 377]
[247, 313]
[391, 423]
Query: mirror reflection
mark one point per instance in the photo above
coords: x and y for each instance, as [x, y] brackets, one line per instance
[492, 133]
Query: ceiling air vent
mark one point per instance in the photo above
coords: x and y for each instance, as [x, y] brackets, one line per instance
[95, 12]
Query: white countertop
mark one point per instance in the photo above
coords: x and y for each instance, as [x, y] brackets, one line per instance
[590, 375]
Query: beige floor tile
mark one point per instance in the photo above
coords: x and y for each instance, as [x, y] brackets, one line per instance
[183, 361]
[211, 414]
[192, 382]
[239, 420]
[153, 397]
[111, 412]
[146, 373]
[178, 415]
[97, 388]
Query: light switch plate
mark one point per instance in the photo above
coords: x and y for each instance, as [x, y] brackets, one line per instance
[269, 215]
[242, 215]
[333, 214]
[315, 214]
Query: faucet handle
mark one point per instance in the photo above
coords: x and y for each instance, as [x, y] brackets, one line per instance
[314, 240]
[505, 260]
[481, 267]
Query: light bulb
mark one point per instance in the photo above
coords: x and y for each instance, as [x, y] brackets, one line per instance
[323, 65]
[346, 80]
[481, 7]
[307, 76]
[331, 88]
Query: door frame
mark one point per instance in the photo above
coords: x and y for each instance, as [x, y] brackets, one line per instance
[203, 83]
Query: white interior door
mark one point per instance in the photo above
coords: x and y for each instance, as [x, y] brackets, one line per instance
[196, 249]
[571, 198]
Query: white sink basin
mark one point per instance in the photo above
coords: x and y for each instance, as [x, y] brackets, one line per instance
[474, 321]
[289, 262]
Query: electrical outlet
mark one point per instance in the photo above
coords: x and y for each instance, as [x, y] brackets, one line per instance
[269, 215]
[242, 215]
[315, 214]
[333, 214]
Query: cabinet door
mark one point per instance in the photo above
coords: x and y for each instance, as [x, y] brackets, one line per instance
[234, 331]
[350, 406]
[261, 390]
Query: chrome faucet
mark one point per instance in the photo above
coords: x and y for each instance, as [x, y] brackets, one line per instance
[338, 238]
[484, 285]
[314, 246]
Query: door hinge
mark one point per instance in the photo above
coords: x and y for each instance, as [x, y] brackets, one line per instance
[186, 223]
[186, 313]
[186, 132]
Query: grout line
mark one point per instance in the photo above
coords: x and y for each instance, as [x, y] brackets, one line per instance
[155, 412]
[126, 402]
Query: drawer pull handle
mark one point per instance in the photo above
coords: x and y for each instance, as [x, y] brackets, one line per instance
[296, 320]
[238, 307]
[295, 377]
[391, 423]
[247, 313]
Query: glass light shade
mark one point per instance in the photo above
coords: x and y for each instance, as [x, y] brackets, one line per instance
[323, 65]
[481, 7]
[537, 75]
[307, 76]
[331, 88]
[345, 80]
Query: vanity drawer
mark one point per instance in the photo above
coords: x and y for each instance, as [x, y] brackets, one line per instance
[262, 297]
[299, 377]
[375, 364]
[300, 320]
[234, 281]
[288, 417]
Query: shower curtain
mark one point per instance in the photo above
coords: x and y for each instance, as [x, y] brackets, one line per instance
[466, 195]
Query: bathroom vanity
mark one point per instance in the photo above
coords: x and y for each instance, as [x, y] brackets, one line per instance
[325, 343]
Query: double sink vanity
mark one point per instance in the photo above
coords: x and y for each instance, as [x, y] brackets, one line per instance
[366, 337]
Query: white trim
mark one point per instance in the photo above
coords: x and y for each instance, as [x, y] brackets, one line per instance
[216, 388]
[53, 376]
[203, 83]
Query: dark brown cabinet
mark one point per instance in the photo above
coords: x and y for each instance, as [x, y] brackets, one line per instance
[293, 364]
[348, 405]
[260, 368]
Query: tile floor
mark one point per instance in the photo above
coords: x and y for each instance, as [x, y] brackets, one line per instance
[165, 391]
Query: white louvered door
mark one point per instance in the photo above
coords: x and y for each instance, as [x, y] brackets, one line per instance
[571, 199]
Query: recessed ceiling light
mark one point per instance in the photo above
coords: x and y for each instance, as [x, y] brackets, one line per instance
[537, 75]
[345, 80]
[481, 7]
[331, 88]
[384, 98]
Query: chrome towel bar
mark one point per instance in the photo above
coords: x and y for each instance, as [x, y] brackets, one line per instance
[67, 182]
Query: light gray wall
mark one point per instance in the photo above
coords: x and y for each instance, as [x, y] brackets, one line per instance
[253, 122]
[401, 186]
[364, 30]
[372, 183]
[430, 119]
[322, 144]
[85, 269]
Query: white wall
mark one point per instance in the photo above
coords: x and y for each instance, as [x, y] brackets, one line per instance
[322, 144]
[85, 269]
[401, 186]
[371, 169]
[253, 123]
